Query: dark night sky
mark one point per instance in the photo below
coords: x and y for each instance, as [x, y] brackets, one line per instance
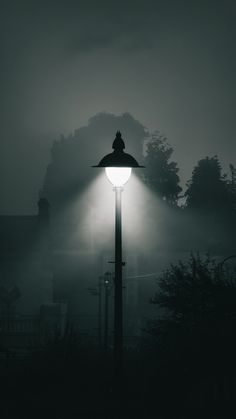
[171, 64]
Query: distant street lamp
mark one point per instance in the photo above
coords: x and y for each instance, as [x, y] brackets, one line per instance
[118, 167]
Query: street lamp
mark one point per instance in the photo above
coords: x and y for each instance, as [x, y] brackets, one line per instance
[118, 167]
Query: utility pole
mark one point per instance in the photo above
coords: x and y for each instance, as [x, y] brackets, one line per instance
[107, 284]
[100, 311]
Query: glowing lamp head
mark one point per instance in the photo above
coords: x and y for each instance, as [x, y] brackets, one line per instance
[118, 176]
[118, 165]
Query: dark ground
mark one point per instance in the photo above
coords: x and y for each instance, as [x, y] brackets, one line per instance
[48, 385]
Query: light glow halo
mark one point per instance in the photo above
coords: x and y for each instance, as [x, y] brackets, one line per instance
[118, 176]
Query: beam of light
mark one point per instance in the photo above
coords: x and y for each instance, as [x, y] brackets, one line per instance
[147, 226]
[92, 214]
[143, 220]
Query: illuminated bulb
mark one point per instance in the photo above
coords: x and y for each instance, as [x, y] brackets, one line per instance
[118, 176]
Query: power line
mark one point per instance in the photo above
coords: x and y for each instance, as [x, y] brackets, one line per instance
[143, 276]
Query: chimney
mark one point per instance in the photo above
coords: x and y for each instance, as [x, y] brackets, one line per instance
[43, 211]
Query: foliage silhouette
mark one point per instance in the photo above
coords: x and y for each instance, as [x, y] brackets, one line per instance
[232, 186]
[208, 190]
[161, 174]
[196, 330]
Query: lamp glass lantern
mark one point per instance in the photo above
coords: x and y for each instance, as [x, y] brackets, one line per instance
[118, 176]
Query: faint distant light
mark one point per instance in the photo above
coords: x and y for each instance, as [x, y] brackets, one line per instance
[118, 176]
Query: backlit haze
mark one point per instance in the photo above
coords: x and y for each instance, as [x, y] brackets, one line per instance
[169, 64]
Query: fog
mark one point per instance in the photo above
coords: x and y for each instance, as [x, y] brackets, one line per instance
[170, 65]
[72, 74]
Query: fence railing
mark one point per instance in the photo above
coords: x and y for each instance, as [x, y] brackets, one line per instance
[21, 324]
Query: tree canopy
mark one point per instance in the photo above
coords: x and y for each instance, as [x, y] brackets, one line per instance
[231, 183]
[197, 289]
[208, 189]
[196, 327]
[161, 174]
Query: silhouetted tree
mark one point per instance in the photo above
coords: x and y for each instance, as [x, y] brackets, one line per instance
[232, 186]
[161, 174]
[207, 189]
[197, 327]
[197, 289]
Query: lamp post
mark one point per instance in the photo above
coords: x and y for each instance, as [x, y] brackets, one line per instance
[118, 167]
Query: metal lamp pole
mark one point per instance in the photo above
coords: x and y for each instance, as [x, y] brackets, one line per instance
[118, 318]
